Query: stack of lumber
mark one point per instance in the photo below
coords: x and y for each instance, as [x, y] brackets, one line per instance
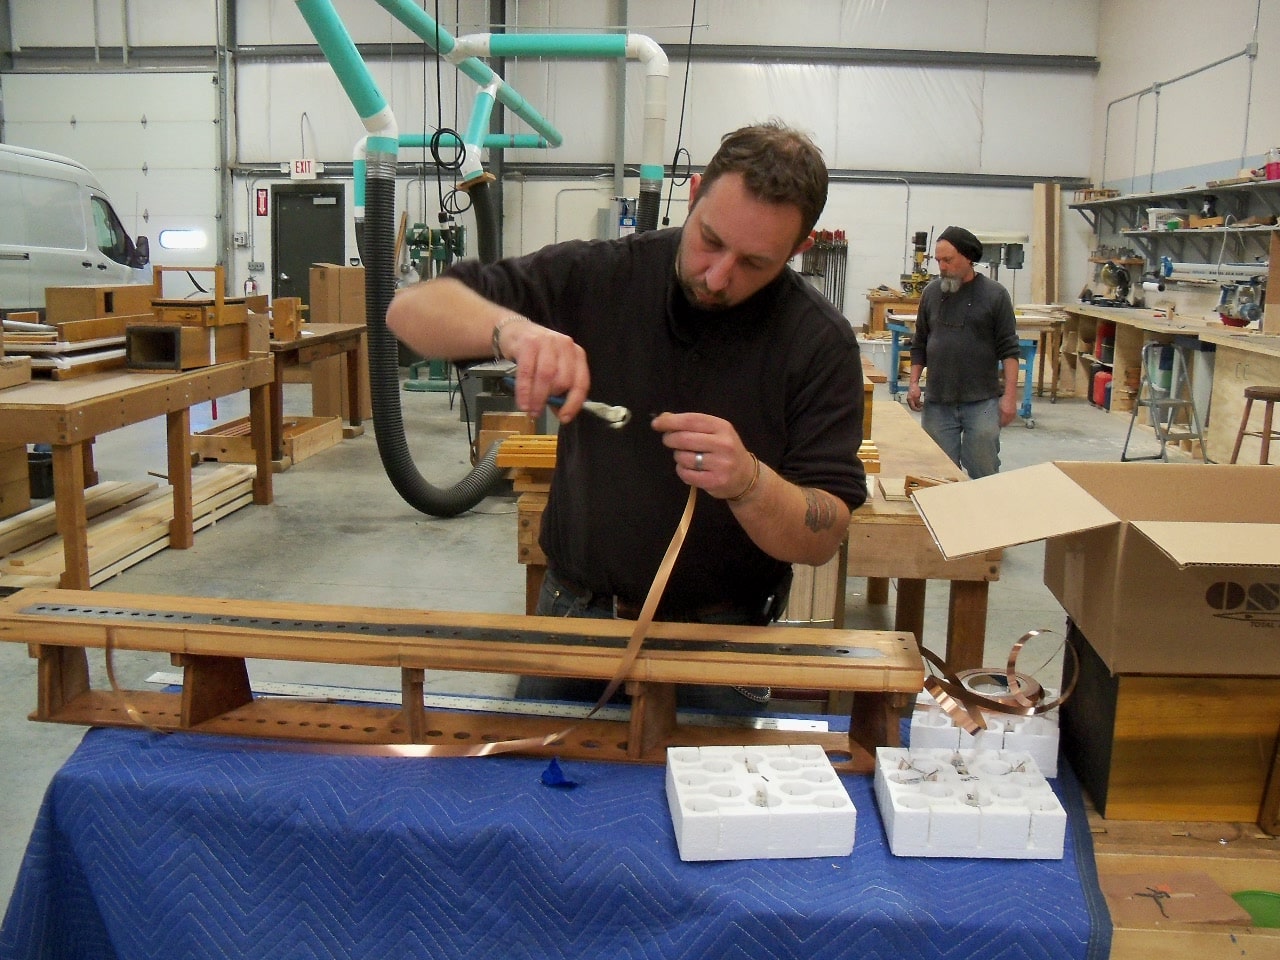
[70, 348]
[532, 458]
[128, 522]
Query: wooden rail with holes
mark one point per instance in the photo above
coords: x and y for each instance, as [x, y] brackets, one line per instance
[212, 638]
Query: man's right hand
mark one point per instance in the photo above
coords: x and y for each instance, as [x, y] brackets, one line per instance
[548, 364]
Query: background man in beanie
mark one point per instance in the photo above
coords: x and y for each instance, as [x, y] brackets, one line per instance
[965, 334]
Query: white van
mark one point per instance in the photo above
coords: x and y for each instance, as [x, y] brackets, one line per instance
[57, 229]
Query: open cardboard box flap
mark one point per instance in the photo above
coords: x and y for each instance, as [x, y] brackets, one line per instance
[1046, 501]
[1191, 544]
[1006, 509]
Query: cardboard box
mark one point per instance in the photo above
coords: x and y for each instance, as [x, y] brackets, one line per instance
[337, 294]
[14, 371]
[89, 303]
[1168, 569]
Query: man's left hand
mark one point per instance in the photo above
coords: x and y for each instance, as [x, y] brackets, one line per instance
[708, 452]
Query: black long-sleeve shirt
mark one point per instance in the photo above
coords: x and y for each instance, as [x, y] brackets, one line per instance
[782, 367]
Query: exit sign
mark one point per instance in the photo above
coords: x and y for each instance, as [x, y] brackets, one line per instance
[303, 170]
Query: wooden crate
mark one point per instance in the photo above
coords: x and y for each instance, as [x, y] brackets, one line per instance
[89, 302]
[174, 346]
[200, 313]
[233, 442]
[1170, 747]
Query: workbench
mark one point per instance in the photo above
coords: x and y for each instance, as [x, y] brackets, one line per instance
[317, 341]
[884, 304]
[888, 540]
[69, 414]
[1229, 359]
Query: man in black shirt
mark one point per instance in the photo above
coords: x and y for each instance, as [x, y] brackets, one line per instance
[744, 382]
[965, 334]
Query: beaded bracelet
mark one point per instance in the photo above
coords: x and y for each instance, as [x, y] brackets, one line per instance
[755, 476]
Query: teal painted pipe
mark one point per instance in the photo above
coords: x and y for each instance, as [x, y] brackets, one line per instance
[479, 125]
[445, 44]
[421, 23]
[357, 175]
[492, 141]
[343, 56]
[594, 46]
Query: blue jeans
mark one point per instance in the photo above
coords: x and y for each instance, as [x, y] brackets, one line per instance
[556, 600]
[968, 433]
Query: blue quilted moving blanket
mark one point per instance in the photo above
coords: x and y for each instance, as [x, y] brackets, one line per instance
[151, 846]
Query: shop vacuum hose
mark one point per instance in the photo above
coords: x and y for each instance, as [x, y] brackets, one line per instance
[378, 253]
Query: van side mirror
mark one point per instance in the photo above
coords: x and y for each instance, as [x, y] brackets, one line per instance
[141, 253]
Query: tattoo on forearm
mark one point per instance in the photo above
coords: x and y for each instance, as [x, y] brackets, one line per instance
[820, 512]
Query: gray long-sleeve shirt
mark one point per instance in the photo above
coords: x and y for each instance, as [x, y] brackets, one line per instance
[961, 338]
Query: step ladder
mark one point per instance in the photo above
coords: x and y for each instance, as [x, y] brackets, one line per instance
[1165, 393]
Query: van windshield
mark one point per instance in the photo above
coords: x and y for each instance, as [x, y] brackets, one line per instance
[109, 233]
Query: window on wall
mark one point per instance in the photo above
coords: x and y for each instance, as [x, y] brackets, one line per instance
[193, 239]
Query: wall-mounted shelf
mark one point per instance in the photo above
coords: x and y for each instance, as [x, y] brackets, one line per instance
[1123, 220]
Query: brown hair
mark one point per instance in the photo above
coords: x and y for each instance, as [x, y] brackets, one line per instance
[778, 165]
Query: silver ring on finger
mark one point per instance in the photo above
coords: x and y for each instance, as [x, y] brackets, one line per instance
[697, 461]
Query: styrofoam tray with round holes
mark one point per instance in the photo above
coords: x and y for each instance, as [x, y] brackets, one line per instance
[1037, 735]
[968, 803]
[758, 802]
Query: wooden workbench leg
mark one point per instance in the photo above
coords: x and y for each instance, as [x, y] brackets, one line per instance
[211, 686]
[90, 471]
[73, 524]
[62, 674]
[875, 721]
[877, 591]
[909, 613]
[277, 411]
[413, 712]
[354, 416]
[182, 531]
[533, 574]
[260, 432]
[967, 624]
[653, 717]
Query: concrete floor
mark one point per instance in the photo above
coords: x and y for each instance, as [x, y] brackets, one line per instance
[338, 533]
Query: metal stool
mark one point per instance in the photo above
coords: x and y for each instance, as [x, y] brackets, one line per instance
[1270, 396]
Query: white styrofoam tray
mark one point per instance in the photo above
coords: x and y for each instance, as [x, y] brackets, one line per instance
[758, 802]
[967, 803]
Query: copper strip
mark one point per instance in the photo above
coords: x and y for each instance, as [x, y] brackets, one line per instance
[964, 706]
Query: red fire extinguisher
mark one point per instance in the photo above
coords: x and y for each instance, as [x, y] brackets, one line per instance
[251, 286]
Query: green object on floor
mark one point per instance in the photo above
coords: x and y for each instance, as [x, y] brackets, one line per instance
[1262, 905]
[436, 381]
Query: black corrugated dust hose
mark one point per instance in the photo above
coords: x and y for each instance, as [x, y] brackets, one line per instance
[378, 253]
